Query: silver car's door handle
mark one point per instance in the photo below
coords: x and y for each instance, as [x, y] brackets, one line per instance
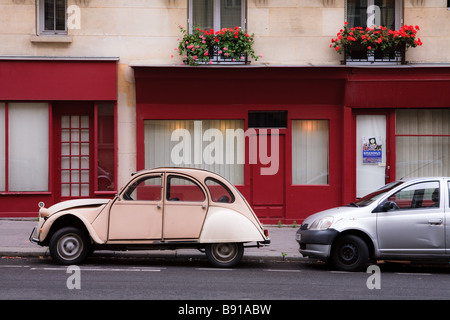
[435, 221]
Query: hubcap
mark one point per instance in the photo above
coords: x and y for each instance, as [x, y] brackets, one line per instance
[70, 246]
[349, 253]
[224, 251]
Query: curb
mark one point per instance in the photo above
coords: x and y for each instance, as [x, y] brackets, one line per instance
[171, 255]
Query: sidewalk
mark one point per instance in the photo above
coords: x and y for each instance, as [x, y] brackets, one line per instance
[14, 235]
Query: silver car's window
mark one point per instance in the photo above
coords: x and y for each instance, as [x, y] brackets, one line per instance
[416, 196]
[371, 197]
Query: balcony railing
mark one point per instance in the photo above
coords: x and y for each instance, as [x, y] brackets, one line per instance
[221, 58]
[356, 55]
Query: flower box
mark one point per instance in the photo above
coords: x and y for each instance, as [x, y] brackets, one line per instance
[226, 46]
[375, 45]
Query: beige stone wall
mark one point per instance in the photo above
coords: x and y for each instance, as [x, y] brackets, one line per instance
[288, 32]
[434, 20]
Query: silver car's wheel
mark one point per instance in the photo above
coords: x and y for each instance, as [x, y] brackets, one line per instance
[69, 246]
[224, 254]
[349, 253]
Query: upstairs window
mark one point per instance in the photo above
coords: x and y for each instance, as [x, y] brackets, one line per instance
[367, 13]
[52, 17]
[216, 14]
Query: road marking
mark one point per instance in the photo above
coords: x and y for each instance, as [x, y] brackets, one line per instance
[102, 269]
[213, 269]
[14, 266]
[281, 270]
[414, 274]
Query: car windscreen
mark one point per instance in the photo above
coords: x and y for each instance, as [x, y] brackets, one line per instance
[371, 197]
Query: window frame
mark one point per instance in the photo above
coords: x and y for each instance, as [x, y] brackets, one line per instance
[216, 15]
[398, 12]
[223, 186]
[97, 146]
[398, 135]
[421, 197]
[41, 20]
[7, 190]
[133, 187]
[296, 174]
[168, 189]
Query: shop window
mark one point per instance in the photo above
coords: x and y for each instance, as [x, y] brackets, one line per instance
[24, 147]
[366, 13]
[215, 145]
[267, 119]
[2, 147]
[310, 155]
[105, 147]
[216, 14]
[52, 17]
[422, 143]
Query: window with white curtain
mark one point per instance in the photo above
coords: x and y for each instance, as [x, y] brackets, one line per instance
[24, 147]
[214, 145]
[28, 147]
[310, 155]
[216, 14]
[422, 143]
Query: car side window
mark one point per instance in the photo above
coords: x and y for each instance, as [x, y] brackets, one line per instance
[145, 189]
[219, 191]
[416, 196]
[183, 189]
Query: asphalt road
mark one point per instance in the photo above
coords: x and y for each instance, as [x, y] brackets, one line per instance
[124, 279]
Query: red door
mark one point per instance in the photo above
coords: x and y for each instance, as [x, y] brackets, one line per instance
[74, 150]
[268, 176]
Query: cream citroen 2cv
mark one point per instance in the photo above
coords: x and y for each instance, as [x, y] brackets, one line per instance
[163, 208]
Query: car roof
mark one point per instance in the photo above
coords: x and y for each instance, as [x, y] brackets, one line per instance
[422, 178]
[196, 172]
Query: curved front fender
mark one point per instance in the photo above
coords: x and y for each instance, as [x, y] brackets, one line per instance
[47, 226]
[226, 225]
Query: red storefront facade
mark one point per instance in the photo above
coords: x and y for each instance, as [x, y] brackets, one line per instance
[57, 131]
[324, 113]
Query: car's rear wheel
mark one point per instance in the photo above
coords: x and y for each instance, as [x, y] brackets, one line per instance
[224, 255]
[69, 245]
[349, 253]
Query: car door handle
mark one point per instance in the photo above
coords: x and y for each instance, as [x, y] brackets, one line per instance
[435, 222]
[159, 206]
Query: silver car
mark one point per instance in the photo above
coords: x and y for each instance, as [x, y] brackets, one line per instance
[406, 219]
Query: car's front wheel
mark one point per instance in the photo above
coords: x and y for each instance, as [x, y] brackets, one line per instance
[349, 253]
[224, 255]
[69, 245]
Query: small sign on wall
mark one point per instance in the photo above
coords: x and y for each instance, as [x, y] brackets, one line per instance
[372, 150]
